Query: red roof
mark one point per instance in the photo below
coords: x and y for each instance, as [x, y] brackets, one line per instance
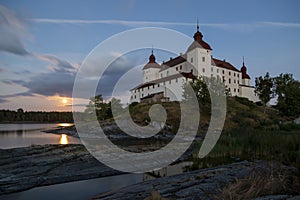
[198, 42]
[244, 72]
[152, 63]
[223, 64]
[168, 78]
[175, 61]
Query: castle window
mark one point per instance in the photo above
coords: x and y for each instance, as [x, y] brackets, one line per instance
[223, 79]
[238, 75]
[203, 59]
[161, 75]
[229, 81]
[223, 72]
[212, 69]
[192, 60]
[234, 81]
[153, 86]
[142, 95]
[180, 67]
[238, 90]
[157, 85]
[176, 68]
[234, 74]
[176, 80]
[167, 73]
[135, 96]
[234, 90]
[203, 70]
[229, 73]
[217, 70]
[169, 81]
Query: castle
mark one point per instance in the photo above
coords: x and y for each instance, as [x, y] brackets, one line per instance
[164, 82]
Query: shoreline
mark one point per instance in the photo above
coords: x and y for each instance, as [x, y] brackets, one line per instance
[25, 168]
[34, 122]
[47, 165]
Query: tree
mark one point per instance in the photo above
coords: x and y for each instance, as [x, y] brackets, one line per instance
[204, 87]
[287, 90]
[115, 105]
[103, 110]
[263, 88]
[200, 89]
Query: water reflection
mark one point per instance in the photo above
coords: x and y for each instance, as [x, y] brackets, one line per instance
[167, 171]
[63, 139]
[65, 124]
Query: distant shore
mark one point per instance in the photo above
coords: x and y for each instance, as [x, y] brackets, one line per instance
[32, 122]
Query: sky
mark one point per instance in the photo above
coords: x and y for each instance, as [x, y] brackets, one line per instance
[44, 43]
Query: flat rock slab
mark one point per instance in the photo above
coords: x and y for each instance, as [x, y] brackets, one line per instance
[28, 167]
[201, 184]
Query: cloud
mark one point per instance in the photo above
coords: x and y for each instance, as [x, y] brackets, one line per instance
[282, 24]
[12, 30]
[49, 84]
[23, 72]
[162, 23]
[58, 65]
[3, 100]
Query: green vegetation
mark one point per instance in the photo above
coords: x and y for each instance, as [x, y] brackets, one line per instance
[103, 110]
[285, 88]
[245, 144]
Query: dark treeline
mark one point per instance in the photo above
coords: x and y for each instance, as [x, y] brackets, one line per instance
[34, 116]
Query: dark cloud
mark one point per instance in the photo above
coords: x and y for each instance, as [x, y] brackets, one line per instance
[49, 84]
[23, 72]
[55, 61]
[8, 82]
[3, 100]
[12, 30]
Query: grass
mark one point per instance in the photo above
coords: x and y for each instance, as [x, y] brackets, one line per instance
[241, 144]
[261, 182]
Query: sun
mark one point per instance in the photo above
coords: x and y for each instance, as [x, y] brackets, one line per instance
[65, 101]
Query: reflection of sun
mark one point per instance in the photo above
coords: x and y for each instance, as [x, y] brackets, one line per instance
[63, 139]
[65, 101]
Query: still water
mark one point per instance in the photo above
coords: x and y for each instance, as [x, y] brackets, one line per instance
[22, 135]
[78, 190]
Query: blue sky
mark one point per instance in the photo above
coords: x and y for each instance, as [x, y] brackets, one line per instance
[44, 42]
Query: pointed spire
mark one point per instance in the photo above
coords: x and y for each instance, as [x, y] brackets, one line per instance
[152, 57]
[243, 61]
[197, 24]
[152, 50]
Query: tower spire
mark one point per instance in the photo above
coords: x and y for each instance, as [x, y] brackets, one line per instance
[243, 61]
[152, 50]
[197, 24]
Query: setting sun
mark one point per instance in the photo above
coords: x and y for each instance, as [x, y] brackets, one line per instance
[65, 101]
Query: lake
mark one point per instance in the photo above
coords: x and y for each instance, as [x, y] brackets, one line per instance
[78, 190]
[22, 135]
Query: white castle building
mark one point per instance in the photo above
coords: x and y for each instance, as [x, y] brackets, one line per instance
[174, 73]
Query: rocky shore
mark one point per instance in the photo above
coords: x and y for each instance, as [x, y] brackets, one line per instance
[245, 180]
[28, 167]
